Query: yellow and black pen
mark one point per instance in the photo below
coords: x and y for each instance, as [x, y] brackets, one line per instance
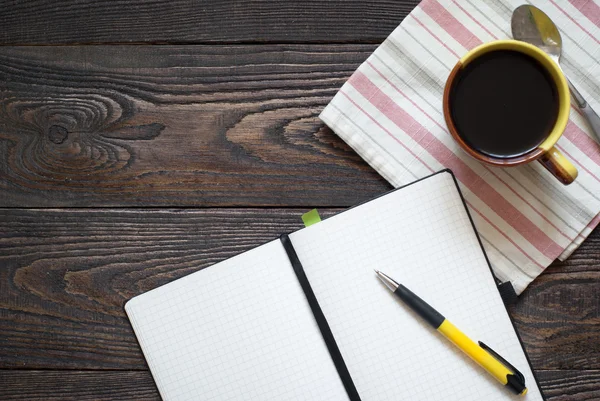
[497, 366]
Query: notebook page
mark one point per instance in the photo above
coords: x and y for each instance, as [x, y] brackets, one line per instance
[239, 330]
[421, 236]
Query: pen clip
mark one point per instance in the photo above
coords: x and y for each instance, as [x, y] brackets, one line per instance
[516, 372]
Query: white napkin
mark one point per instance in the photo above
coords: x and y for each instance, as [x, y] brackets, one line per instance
[390, 112]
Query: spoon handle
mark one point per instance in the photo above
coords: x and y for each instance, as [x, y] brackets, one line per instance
[586, 110]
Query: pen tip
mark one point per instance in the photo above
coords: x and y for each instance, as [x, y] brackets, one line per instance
[391, 284]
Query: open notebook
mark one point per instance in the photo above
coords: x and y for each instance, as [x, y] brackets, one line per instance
[243, 329]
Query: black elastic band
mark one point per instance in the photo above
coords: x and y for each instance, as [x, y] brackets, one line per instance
[334, 351]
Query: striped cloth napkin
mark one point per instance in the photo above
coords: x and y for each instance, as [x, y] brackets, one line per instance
[390, 112]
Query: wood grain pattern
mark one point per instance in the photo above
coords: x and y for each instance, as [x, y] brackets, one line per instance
[44, 385]
[67, 273]
[215, 21]
[227, 115]
[570, 385]
[558, 318]
[176, 126]
[64, 281]
[563, 385]
[587, 259]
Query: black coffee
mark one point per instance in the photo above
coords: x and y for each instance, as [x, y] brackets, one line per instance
[504, 104]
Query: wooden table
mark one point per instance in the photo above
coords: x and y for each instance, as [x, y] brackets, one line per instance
[157, 138]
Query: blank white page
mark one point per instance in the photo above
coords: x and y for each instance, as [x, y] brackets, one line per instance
[239, 330]
[422, 237]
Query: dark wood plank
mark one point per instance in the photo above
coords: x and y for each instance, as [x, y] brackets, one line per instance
[176, 125]
[77, 385]
[181, 21]
[569, 385]
[67, 273]
[586, 259]
[558, 318]
[561, 311]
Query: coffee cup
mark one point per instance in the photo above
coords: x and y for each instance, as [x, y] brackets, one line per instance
[506, 103]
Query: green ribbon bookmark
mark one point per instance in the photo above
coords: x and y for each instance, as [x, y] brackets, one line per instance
[311, 218]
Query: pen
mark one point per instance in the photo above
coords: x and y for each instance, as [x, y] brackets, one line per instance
[487, 358]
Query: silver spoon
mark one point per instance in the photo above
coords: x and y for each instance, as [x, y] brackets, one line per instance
[530, 24]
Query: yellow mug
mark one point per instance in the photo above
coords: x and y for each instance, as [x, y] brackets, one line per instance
[545, 153]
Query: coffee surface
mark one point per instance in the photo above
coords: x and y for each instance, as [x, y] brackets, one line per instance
[504, 104]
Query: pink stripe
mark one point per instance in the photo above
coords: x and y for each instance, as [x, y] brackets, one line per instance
[444, 156]
[588, 8]
[438, 39]
[580, 165]
[530, 205]
[592, 224]
[475, 20]
[431, 169]
[580, 139]
[384, 129]
[539, 213]
[464, 36]
[490, 170]
[574, 21]
[582, 142]
[595, 221]
[505, 236]
[450, 24]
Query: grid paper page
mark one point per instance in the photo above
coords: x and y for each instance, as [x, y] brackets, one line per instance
[239, 330]
[422, 237]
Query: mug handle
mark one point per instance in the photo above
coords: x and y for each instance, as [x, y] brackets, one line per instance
[559, 166]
